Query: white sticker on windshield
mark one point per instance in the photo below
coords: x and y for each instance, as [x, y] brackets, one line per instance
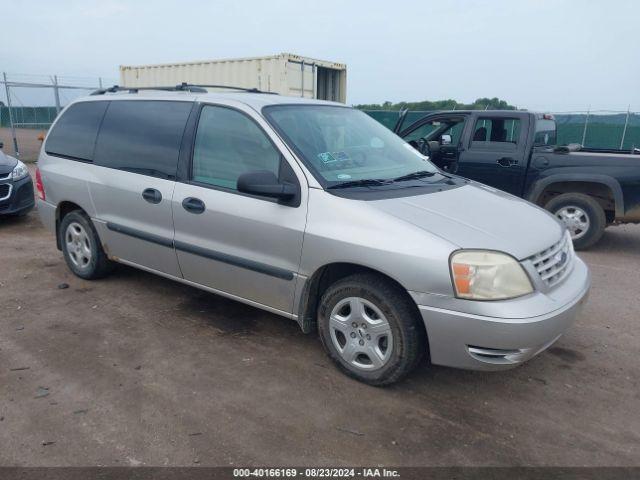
[330, 157]
[344, 176]
[326, 157]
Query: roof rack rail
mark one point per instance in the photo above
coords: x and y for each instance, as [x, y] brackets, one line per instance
[182, 87]
[230, 87]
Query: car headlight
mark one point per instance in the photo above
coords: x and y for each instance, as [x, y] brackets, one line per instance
[19, 172]
[487, 275]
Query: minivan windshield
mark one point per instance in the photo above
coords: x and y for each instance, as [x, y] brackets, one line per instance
[342, 145]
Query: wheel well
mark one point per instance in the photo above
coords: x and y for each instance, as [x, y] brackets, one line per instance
[63, 209]
[321, 279]
[600, 192]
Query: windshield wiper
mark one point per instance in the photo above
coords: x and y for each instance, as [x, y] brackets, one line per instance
[367, 182]
[415, 175]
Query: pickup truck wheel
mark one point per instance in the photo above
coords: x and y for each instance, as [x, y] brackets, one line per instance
[583, 216]
[371, 329]
[81, 247]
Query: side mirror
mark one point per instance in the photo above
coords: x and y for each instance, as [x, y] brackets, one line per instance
[265, 183]
[1, 145]
[445, 139]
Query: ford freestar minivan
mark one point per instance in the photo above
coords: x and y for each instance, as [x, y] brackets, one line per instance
[313, 211]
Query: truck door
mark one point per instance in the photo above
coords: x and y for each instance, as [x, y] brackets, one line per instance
[437, 136]
[494, 152]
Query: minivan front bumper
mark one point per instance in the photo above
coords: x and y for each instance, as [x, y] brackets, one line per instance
[495, 341]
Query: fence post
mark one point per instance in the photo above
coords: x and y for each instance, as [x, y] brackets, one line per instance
[56, 93]
[624, 131]
[586, 122]
[13, 128]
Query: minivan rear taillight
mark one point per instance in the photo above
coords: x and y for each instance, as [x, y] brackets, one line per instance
[40, 185]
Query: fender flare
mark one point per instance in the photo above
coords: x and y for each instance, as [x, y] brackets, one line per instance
[540, 185]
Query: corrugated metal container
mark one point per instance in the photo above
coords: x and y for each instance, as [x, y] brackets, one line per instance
[286, 74]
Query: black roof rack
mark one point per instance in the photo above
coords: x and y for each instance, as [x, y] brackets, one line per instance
[182, 87]
[229, 87]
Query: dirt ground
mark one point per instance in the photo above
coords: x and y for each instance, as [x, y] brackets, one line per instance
[28, 143]
[138, 370]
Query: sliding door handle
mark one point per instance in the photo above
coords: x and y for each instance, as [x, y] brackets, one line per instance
[193, 205]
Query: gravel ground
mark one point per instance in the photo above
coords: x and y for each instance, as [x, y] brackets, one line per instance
[138, 370]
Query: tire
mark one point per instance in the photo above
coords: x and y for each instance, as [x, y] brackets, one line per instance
[577, 210]
[82, 248]
[389, 339]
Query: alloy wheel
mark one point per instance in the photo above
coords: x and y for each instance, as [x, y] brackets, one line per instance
[576, 220]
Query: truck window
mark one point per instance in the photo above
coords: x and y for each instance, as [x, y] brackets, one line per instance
[442, 127]
[496, 130]
[545, 133]
[142, 136]
[74, 134]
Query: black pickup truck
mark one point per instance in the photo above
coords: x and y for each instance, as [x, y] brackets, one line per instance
[516, 152]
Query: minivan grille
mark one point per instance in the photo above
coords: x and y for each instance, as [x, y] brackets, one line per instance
[5, 188]
[553, 263]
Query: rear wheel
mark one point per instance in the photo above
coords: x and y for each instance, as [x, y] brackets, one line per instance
[583, 216]
[81, 247]
[371, 329]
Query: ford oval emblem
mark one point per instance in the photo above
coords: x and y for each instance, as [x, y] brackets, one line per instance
[561, 257]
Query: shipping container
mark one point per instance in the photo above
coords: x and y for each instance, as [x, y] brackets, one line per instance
[286, 74]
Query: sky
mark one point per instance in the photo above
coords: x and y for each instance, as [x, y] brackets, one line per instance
[551, 55]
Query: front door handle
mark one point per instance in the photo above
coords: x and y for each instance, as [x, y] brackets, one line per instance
[507, 162]
[152, 195]
[193, 205]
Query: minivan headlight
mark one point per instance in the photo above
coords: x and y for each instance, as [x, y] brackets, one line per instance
[487, 275]
[19, 172]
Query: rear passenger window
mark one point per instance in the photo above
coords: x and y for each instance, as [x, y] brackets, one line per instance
[228, 144]
[74, 134]
[497, 130]
[142, 136]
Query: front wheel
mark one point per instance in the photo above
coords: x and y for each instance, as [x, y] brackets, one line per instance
[371, 329]
[584, 217]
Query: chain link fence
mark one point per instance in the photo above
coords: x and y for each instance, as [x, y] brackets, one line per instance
[30, 103]
[606, 129]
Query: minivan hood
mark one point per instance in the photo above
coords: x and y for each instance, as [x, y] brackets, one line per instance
[478, 216]
[7, 163]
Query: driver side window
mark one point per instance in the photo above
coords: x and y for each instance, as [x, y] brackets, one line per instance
[422, 131]
[449, 127]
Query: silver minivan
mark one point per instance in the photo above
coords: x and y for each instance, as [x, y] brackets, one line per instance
[313, 211]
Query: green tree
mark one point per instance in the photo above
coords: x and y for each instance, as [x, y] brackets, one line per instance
[450, 104]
